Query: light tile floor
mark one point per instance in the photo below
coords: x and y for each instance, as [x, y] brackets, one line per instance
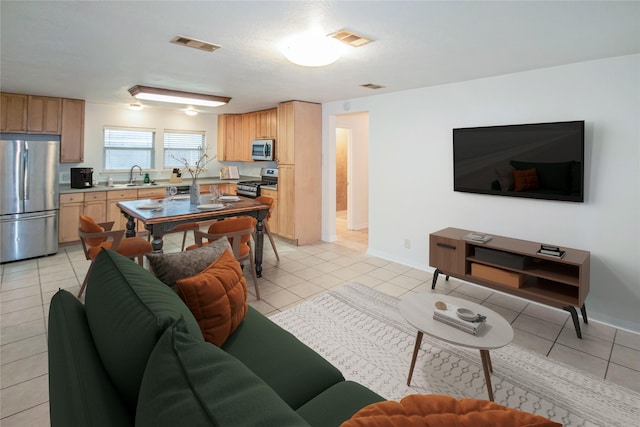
[303, 272]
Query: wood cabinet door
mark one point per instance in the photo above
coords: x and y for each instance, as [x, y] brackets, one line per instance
[96, 209]
[72, 131]
[44, 115]
[69, 221]
[13, 112]
[286, 129]
[286, 201]
[229, 137]
[273, 221]
[446, 254]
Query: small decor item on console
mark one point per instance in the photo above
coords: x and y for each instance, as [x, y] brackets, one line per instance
[477, 237]
[551, 251]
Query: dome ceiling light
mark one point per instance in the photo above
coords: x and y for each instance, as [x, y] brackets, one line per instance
[311, 49]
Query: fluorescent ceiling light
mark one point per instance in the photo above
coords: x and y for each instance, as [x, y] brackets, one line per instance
[312, 49]
[177, 96]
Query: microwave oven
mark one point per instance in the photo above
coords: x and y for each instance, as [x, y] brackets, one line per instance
[262, 149]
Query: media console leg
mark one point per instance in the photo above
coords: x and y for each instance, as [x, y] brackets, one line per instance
[574, 317]
[583, 310]
[435, 278]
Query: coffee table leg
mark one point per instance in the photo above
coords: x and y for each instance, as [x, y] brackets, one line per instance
[487, 368]
[415, 356]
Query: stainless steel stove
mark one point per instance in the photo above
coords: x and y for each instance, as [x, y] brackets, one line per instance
[251, 189]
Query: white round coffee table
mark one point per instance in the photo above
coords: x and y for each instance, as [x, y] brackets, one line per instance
[418, 310]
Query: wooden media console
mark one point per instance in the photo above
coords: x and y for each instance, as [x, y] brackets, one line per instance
[514, 267]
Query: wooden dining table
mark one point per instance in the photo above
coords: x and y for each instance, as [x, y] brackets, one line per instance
[161, 216]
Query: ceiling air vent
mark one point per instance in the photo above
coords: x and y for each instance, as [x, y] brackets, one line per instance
[372, 86]
[352, 39]
[196, 44]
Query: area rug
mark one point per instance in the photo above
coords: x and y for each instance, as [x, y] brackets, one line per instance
[361, 332]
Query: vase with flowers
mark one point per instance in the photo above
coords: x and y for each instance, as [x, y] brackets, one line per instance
[195, 170]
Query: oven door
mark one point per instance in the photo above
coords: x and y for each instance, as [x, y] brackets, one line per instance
[262, 149]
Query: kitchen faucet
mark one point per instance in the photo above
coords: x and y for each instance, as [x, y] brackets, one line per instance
[131, 180]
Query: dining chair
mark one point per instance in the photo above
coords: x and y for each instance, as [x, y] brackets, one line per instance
[181, 228]
[268, 201]
[95, 236]
[238, 231]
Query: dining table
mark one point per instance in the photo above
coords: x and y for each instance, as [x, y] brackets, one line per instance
[161, 216]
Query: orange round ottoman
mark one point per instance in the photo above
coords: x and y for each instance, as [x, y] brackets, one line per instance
[436, 410]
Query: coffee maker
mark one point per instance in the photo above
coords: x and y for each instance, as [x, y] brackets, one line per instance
[81, 177]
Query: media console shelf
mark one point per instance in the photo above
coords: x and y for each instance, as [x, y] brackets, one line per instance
[513, 266]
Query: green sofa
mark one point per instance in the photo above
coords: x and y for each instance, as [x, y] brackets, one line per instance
[133, 354]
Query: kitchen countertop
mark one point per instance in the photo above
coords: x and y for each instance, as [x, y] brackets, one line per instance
[66, 188]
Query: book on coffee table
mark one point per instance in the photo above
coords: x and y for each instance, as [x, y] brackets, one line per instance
[450, 317]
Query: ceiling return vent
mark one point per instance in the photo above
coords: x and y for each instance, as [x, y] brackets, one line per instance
[196, 44]
[372, 86]
[352, 39]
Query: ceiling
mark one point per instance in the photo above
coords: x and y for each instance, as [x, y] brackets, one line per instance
[96, 50]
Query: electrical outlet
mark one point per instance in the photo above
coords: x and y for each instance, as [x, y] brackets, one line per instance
[407, 244]
[65, 177]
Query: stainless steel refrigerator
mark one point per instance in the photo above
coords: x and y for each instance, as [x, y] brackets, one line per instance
[28, 196]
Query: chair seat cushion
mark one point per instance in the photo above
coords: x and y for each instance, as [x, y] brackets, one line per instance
[129, 247]
[444, 411]
[217, 297]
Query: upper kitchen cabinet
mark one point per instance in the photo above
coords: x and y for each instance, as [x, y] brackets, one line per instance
[299, 132]
[230, 142]
[13, 112]
[44, 115]
[72, 131]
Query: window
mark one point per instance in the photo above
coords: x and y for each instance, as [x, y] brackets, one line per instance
[124, 148]
[182, 145]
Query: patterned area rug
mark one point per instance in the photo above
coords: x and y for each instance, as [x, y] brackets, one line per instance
[361, 332]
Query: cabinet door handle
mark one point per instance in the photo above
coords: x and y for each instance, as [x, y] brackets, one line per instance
[443, 245]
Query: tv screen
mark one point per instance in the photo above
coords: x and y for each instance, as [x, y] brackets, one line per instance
[540, 161]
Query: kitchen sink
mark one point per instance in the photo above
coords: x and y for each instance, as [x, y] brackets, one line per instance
[133, 185]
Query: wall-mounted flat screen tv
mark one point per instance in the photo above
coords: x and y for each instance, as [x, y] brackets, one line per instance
[540, 161]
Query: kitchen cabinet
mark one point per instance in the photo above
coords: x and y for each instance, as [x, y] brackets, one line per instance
[273, 221]
[236, 131]
[230, 146]
[299, 153]
[73, 205]
[113, 211]
[72, 131]
[13, 112]
[227, 189]
[44, 115]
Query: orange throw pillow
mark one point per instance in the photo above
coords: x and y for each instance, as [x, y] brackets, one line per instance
[217, 297]
[525, 180]
[443, 411]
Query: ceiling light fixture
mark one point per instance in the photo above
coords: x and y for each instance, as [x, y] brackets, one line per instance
[177, 96]
[135, 106]
[191, 112]
[312, 49]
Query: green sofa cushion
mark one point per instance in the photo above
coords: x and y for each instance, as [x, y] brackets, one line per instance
[193, 383]
[127, 310]
[80, 392]
[292, 369]
[337, 404]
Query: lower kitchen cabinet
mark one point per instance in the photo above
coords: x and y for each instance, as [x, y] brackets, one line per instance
[273, 221]
[113, 211]
[75, 204]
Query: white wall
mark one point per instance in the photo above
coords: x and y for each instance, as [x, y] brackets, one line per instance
[411, 177]
[97, 116]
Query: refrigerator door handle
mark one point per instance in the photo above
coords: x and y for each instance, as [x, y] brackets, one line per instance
[25, 172]
[22, 217]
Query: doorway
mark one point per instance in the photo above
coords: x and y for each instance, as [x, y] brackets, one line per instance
[351, 178]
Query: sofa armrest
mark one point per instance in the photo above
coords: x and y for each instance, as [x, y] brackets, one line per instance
[80, 392]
